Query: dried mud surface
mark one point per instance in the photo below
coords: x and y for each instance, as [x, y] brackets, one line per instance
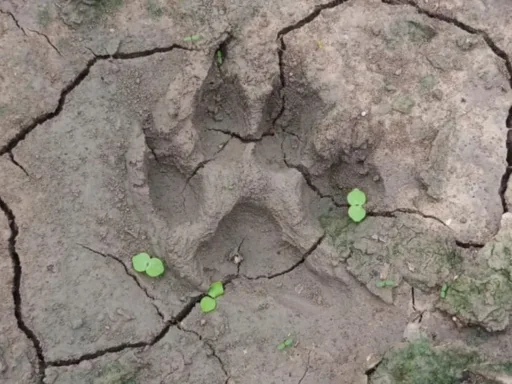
[123, 132]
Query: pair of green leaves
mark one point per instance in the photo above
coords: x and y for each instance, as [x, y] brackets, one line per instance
[209, 302]
[287, 343]
[153, 266]
[356, 199]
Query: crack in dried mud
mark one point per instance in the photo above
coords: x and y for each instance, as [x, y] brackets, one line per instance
[127, 271]
[294, 266]
[243, 139]
[46, 38]
[11, 15]
[207, 342]
[175, 321]
[43, 118]
[307, 368]
[17, 272]
[13, 160]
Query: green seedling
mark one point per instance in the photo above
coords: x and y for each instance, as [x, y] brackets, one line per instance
[444, 289]
[357, 213]
[385, 284]
[153, 266]
[216, 290]
[140, 262]
[208, 304]
[220, 58]
[192, 38]
[287, 343]
[356, 199]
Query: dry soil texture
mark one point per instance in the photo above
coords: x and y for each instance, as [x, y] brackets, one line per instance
[223, 137]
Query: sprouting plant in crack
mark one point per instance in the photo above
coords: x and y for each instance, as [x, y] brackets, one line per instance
[219, 57]
[209, 302]
[356, 200]
[153, 266]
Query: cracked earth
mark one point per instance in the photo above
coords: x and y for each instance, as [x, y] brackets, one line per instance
[119, 136]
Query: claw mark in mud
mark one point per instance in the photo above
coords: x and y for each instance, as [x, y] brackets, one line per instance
[10, 14]
[17, 269]
[127, 270]
[294, 266]
[497, 51]
[13, 160]
[24, 131]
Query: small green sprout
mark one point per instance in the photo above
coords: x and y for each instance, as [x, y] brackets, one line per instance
[209, 302]
[219, 56]
[385, 284]
[444, 290]
[216, 290]
[287, 343]
[356, 199]
[153, 266]
[140, 262]
[192, 38]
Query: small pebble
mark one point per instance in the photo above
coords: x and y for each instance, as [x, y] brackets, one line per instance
[376, 178]
[203, 322]
[364, 113]
[398, 72]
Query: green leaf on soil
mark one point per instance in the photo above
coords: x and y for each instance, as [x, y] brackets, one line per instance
[444, 289]
[216, 289]
[192, 38]
[357, 213]
[385, 284]
[220, 59]
[356, 197]
[281, 346]
[155, 267]
[288, 342]
[140, 262]
[208, 304]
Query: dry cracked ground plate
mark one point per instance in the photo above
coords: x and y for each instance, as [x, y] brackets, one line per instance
[223, 138]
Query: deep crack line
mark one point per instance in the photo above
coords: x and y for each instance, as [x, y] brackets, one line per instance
[210, 346]
[43, 118]
[11, 15]
[17, 269]
[175, 321]
[119, 261]
[13, 160]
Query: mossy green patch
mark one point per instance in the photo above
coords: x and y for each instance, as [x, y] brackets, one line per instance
[419, 362]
